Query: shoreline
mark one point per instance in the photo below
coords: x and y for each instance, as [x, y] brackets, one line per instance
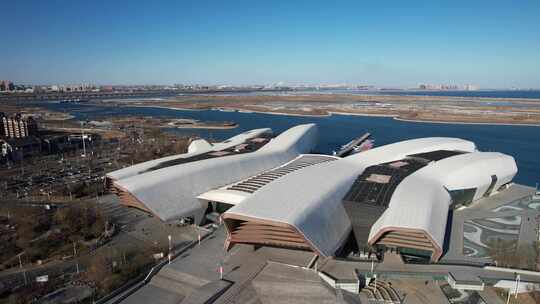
[204, 127]
[467, 123]
[159, 107]
[330, 113]
[186, 126]
[396, 117]
[531, 100]
[238, 110]
[362, 114]
[274, 113]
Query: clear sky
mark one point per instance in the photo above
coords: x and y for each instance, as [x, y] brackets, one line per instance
[493, 43]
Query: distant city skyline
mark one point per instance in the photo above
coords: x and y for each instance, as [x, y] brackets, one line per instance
[7, 86]
[490, 44]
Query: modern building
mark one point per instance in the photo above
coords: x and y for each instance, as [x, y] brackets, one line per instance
[398, 197]
[6, 85]
[196, 147]
[416, 213]
[168, 188]
[304, 209]
[17, 127]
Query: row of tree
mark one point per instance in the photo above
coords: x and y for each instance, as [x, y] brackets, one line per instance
[507, 253]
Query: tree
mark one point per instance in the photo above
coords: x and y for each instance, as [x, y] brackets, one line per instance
[508, 254]
[25, 222]
[98, 270]
[526, 256]
[137, 262]
[502, 251]
[535, 293]
[25, 234]
[20, 298]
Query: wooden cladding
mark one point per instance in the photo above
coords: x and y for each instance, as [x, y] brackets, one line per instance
[410, 239]
[125, 197]
[265, 234]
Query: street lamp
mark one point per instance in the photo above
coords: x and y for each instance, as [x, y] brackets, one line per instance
[518, 279]
[20, 262]
[516, 287]
[20, 266]
[170, 247]
[83, 137]
[75, 256]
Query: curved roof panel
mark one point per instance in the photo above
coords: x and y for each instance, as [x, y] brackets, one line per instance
[197, 147]
[310, 200]
[422, 200]
[171, 192]
[399, 150]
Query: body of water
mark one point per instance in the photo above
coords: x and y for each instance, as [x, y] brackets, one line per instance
[522, 142]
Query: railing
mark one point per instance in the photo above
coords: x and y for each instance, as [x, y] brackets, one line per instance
[132, 286]
[513, 270]
[353, 287]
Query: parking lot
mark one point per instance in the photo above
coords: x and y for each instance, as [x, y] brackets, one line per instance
[57, 177]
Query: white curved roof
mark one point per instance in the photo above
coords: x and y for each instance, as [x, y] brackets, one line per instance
[239, 191]
[310, 199]
[231, 197]
[421, 201]
[171, 192]
[197, 147]
[400, 150]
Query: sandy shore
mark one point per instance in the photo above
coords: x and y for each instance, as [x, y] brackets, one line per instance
[467, 123]
[330, 113]
[423, 109]
[275, 113]
[203, 126]
[162, 107]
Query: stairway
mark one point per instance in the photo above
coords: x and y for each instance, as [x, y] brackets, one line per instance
[381, 292]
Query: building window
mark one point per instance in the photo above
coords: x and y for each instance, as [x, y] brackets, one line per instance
[462, 197]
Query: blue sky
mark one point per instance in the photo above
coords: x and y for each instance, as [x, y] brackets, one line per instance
[494, 44]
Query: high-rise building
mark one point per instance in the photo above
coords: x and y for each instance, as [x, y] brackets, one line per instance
[17, 127]
[470, 87]
[6, 85]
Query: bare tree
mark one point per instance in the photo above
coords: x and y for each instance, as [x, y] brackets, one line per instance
[98, 270]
